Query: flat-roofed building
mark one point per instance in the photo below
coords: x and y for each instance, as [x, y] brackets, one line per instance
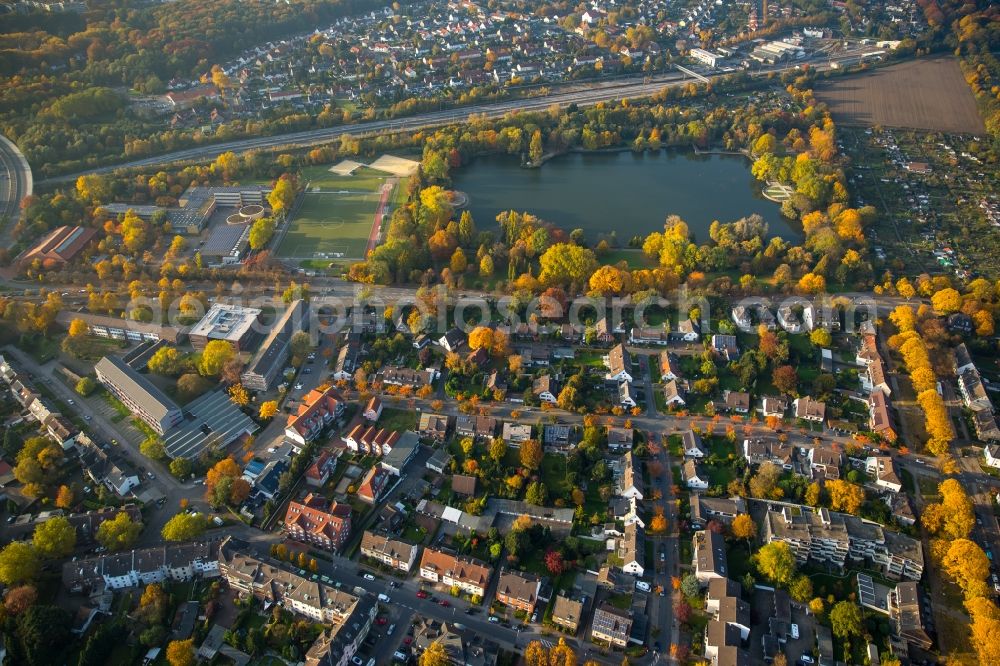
[266, 365]
[129, 330]
[235, 324]
[139, 394]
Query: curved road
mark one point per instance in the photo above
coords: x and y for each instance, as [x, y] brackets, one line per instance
[582, 94]
[15, 184]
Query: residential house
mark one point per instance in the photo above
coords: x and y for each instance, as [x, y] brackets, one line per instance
[632, 551]
[546, 389]
[319, 471]
[649, 335]
[973, 391]
[373, 484]
[761, 450]
[737, 401]
[694, 475]
[392, 552]
[433, 426]
[692, 445]
[518, 590]
[774, 406]
[741, 317]
[347, 618]
[619, 364]
[611, 625]
[809, 410]
[397, 375]
[567, 612]
[963, 359]
[318, 410]
[729, 628]
[882, 470]
[452, 340]
[515, 434]
[709, 556]
[620, 439]
[314, 520]
[986, 425]
[373, 410]
[824, 462]
[725, 346]
[880, 419]
[790, 319]
[468, 574]
[179, 562]
[907, 615]
[603, 334]
[721, 509]
[673, 396]
[627, 395]
[630, 478]
[476, 427]
[670, 366]
[873, 378]
[689, 330]
[557, 436]
[439, 461]
[401, 454]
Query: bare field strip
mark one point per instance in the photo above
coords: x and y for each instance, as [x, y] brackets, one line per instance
[926, 94]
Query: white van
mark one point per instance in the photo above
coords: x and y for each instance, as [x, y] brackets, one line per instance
[384, 598]
[642, 585]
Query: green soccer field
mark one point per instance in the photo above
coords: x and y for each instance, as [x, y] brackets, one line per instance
[335, 217]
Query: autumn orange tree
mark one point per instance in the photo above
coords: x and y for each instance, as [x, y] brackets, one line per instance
[224, 483]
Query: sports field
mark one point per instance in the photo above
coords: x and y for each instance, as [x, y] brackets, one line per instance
[336, 215]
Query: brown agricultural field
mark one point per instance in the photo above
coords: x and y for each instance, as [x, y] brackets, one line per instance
[927, 94]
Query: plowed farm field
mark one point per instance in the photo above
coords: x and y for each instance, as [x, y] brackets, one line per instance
[925, 94]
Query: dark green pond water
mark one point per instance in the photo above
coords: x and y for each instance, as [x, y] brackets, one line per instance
[623, 192]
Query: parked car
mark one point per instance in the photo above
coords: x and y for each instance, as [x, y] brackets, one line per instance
[368, 576]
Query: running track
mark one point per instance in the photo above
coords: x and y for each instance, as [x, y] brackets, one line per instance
[387, 189]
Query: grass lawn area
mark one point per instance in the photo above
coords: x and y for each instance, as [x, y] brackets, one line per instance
[121, 411]
[719, 475]
[397, 419]
[621, 601]
[553, 474]
[928, 487]
[336, 219]
[634, 257]
[739, 561]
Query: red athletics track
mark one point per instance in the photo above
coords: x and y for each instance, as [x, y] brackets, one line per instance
[379, 215]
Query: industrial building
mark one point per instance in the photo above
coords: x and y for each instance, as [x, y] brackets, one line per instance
[58, 247]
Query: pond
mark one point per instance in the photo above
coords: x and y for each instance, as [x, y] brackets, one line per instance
[629, 193]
